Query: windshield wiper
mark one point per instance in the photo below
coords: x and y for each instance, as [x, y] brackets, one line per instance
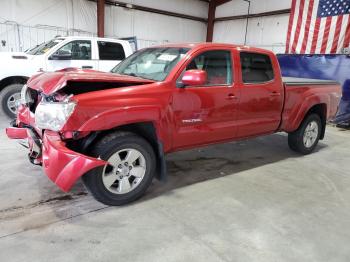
[130, 74]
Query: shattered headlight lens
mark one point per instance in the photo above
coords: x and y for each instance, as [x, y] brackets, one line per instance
[53, 115]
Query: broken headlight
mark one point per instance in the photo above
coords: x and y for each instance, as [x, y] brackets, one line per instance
[53, 115]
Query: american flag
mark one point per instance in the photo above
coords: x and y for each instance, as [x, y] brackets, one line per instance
[318, 27]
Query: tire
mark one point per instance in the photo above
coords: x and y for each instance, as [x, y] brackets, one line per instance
[121, 146]
[305, 139]
[8, 97]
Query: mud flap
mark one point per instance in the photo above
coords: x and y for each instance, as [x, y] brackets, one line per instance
[161, 164]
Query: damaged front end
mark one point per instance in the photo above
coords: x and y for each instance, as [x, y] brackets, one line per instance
[42, 125]
[28, 138]
[61, 164]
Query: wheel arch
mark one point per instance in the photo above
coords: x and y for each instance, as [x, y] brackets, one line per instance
[320, 109]
[146, 130]
[293, 117]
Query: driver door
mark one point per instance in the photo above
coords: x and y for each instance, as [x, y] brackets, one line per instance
[77, 53]
[206, 114]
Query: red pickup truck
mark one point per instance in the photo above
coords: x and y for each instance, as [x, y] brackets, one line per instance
[113, 129]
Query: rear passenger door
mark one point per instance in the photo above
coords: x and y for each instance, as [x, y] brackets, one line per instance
[110, 54]
[261, 99]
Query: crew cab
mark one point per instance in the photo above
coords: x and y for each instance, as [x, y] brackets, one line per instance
[102, 54]
[113, 129]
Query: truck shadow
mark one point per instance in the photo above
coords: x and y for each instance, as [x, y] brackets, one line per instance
[194, 166]
[40, 198]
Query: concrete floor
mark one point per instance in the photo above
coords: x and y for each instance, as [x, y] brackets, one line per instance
[248, 201]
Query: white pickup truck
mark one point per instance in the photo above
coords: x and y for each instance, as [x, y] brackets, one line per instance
[82, 52]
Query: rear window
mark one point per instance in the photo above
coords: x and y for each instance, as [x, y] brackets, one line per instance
[110, 51]
[256, 68]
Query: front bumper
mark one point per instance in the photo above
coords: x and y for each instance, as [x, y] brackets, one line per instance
[62, 165]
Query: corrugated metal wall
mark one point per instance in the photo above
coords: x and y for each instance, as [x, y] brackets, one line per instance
[25, 23]
[267, 32]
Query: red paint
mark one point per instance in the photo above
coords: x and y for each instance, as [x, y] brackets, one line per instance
[62, 165]
[49, 83]
[195, 78]
[16, 133]
[183, 117]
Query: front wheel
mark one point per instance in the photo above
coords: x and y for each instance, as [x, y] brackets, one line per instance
[9, 98]
[305, 139]
[131, 168]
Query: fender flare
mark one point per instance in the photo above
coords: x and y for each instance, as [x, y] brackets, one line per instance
[305, 107]
[112, 119]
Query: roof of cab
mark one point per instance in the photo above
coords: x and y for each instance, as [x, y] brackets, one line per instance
[207, 44]
[90, 38]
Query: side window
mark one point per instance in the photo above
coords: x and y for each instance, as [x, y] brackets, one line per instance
[110, 51]
[256, 68]
[79, 49]
[217, 64]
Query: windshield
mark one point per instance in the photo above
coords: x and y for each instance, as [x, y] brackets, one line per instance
[44, 47]
[151, 63]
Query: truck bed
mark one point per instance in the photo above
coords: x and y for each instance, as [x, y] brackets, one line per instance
[301, 92]
[296, 81]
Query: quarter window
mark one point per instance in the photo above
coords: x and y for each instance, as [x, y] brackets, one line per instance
[79, 49]
[217, 64]
[110, 51]
[256, 68]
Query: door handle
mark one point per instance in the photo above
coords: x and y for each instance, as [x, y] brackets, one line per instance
[231, 97]
[275, 93]
[87, 67]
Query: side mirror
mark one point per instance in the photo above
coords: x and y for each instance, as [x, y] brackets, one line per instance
[195, 78]
[61, 55]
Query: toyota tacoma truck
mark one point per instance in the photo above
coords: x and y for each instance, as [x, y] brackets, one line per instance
[113, 129]
[16, 68]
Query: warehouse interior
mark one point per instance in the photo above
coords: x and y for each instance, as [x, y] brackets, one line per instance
[246, 199]
[23, 25]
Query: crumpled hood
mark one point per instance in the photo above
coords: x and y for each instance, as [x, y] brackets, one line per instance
[49, 83]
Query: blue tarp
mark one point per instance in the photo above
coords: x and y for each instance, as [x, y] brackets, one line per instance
[328, 67]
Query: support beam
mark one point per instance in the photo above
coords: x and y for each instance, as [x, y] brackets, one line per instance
[211, 17]
[152, 10]
[221, 2]
[211, 20]
[101, 18]
[237, 17]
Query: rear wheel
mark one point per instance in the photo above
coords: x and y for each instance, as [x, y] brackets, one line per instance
[9, 98]
[130, 170]
[305, 139]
